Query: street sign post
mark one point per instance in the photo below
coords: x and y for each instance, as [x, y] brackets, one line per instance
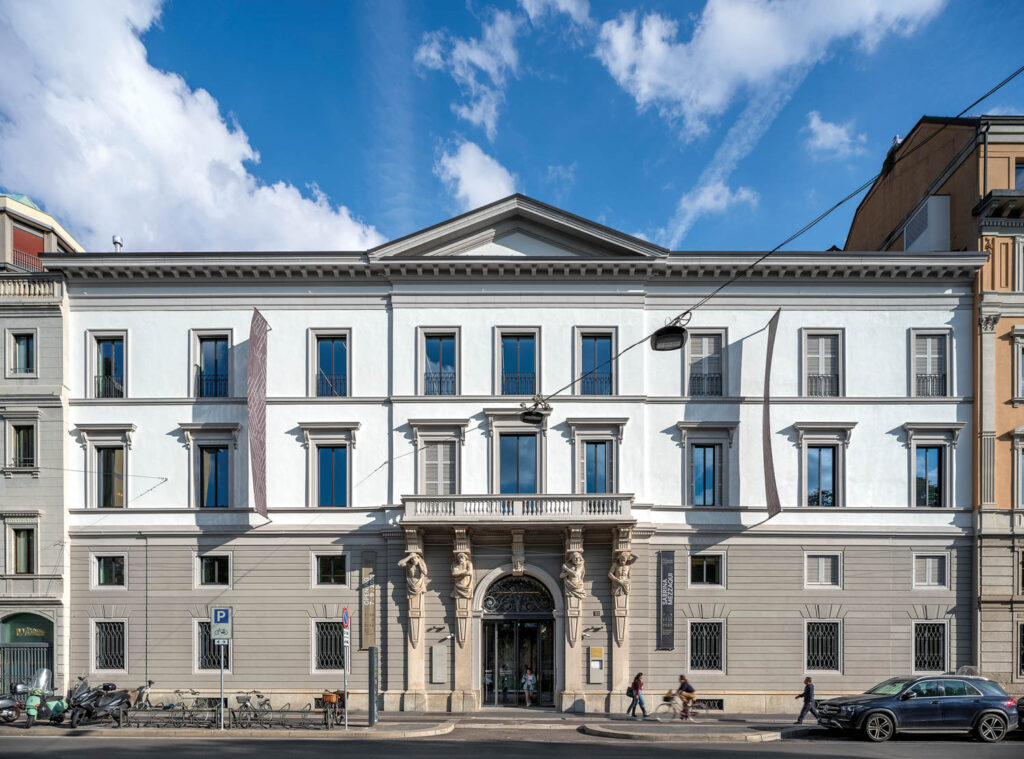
[220, 630]
[348, 642]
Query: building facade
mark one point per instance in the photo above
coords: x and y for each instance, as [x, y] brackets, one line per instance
[624, 531]
[961, 187]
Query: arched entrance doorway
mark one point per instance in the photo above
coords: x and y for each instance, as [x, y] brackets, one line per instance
[26, 644]
[518, 631]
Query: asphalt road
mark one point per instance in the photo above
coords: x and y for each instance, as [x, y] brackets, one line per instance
[500, 743]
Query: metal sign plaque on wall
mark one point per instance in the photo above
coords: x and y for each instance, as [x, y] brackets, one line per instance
[666, 600]
[368, 601]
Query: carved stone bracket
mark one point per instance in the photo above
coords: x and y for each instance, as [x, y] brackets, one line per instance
[619, 575]
[462, 582]
[416, 582]
[518, 553]
[987, 322]
[573, 572]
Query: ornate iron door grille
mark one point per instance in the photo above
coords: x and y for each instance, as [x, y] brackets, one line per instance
[930, 647]
[518, 595]
[209, 655]
[330, 645]
[706, 646]
[110, 645]
[823, 646]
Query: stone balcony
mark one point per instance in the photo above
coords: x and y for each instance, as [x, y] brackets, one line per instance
[518, 510]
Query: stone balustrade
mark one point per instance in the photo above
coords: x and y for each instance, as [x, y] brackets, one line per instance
[518, 508]
[21, 286]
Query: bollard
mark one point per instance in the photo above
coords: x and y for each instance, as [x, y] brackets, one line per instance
[373, 686]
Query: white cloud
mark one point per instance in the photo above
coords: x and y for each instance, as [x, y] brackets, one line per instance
[480, 67]
[829, 140]
[740, 46]
[716, 198]
[110, 144]
[577, 10]
[473, 177]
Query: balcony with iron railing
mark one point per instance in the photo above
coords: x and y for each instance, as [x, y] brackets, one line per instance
[930, 385]
[519, 508]
[705, 384]
[109, 386]
[331, 385]
[28, 261]
[439, 383]
[211, 385]
[518, 383]
[823, 385]
[597, 383]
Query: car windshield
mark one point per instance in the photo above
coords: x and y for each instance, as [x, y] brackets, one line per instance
[41, 679]
[890, 687]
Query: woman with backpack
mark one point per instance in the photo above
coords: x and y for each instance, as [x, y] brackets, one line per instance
[636, 691]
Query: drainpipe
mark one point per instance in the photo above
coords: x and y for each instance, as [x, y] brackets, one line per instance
[146, 613]
[984, 169]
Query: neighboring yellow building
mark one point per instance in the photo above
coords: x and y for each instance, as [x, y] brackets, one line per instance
[26, 231]
[958, 184]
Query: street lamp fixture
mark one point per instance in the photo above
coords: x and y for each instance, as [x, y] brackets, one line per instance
[671, 337]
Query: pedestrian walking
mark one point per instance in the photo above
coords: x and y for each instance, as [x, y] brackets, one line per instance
[808, 697]
[529, 681]
[636, 691]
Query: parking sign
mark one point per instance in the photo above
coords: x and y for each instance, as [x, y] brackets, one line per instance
[220, 623]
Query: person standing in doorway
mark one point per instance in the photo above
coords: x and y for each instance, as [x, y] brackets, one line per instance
[808, 697]
[636, 690]
[529, 681]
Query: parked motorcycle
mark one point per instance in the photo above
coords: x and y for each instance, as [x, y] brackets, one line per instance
[82, 699]
[10, 709]
[101, 704]
[41, 702]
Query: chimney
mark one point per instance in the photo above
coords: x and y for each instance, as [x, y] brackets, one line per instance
[118, 242]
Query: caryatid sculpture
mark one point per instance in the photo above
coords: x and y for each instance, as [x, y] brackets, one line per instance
[416, 577]
[573, 571]
[619, 573]
[462, 592]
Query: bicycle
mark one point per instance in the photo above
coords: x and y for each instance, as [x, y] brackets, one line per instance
[334, 706]
[246, 714]
[673, 708]
[200, 713]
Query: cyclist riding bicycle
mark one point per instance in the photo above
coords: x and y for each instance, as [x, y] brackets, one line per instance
[685, 696]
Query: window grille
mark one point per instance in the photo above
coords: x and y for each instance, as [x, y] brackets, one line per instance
[705, 365]
[1020, 650]
[822, 365]
[110, 645]
[596, 383]
[439, 383]
[706, 645]
[823, 645]
[930, 365]
[330, 650]
[930, 647]
[209, 653]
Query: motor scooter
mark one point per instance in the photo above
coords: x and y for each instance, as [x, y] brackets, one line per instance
[82, 698]
[41, 703]
[102, 703]
[10, 708]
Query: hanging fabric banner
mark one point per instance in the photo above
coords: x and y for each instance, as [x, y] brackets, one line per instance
[771, 489]
[666, 600]
[257, 403]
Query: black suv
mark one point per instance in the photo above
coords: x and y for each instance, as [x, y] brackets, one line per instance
[933, 703]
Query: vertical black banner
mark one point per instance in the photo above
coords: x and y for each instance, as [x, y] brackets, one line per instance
[666, 600]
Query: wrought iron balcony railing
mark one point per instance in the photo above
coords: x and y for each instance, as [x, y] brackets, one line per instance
[513, 383]
[599, 383]
[109, 386]
[508, 508]
[705, 384]
[822, 385]
[28, 261]
[439, 383]
[210, 385]
[931, 385]
[331, 385]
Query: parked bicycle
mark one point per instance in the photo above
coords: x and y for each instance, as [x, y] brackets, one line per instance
[246, 715]
[199, 713]
[334, 708]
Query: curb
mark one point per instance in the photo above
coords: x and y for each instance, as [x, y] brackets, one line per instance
[758, 737]
[353, 734]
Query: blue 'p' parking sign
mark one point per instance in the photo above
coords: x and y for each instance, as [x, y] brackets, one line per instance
[220, 623]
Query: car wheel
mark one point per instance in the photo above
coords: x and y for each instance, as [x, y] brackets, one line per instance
[991, 728]
[879, 727]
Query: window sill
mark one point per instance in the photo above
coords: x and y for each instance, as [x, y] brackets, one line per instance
[1017, 401]
[22, 470]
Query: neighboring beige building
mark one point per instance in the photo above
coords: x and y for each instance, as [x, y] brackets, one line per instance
[958, 184]
[34, 600]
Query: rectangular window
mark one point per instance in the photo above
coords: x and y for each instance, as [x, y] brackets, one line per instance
[110, 477]
[214, 477]
[332, 366]
[705, 365]
[330, 649]
[212, 375]
[929, 476]
[439, 373]
[214, 570]
[706, 570]
[208, 653]
[438, 467]
[24, 445]
[332, 470]
[824, 646]
[930, 571]
[109, 367]
[24, 551]
[821, 461]
[23, 360]
[1018, 175]
[822, 570]
[518, 463]
[706, 476]
[930, 365]
[110, 571]
[706, 646]
[598, 465]
[518, 365]
[331, 569]
[1020, 649]
[929, 647]
[822, 378]
[595, 365]
[110, 645]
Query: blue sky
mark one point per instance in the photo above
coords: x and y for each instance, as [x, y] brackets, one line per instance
[266, 125]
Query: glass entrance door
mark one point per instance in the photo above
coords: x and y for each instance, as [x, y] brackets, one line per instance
[510, 646]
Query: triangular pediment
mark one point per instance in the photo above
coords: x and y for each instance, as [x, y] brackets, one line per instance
[518, 227]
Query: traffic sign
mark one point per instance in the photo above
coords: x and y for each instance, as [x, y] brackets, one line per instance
[347, 640]
[345, 618]
[221, 642]
[220, 623]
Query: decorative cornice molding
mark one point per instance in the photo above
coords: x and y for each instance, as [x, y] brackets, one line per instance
[424, 425]
[914, 429]
[86, 431]
[687, 427]
[313, 430]
[804, 428]
[191, 429]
